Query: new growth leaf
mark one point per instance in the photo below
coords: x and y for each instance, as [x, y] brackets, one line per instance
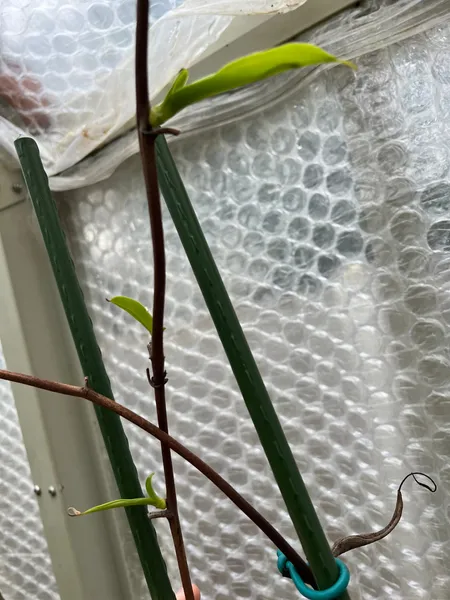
[238, 73]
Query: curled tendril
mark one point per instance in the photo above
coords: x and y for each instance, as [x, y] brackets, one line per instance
[364, 539]
[421, 483]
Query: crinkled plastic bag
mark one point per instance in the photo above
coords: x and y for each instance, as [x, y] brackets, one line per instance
[93, 107]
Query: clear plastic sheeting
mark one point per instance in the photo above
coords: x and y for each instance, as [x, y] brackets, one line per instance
[72, 65]
[370, 26]
[25, 566]
[236, 7]
[329, 217]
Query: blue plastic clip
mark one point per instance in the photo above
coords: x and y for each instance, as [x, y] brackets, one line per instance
[287, 569]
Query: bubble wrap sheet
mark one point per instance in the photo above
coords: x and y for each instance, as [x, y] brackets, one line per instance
[66, 47]
[366, 27]
[72, 65]
[329, 217]
[67, 67]
[25, 567]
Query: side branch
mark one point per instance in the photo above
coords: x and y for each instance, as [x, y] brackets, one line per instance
[84, 392]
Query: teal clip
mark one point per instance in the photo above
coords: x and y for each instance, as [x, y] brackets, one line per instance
[287, 569]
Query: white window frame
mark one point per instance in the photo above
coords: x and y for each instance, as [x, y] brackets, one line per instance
[60, 434]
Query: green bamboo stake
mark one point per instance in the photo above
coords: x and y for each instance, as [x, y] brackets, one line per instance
[116, 442]
[247, 375]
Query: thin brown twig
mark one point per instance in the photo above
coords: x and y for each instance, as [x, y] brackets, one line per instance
[124, 412]
[148, 158]
[159, 514]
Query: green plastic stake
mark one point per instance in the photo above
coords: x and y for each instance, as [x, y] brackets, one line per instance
[245, 370]
[116, 442]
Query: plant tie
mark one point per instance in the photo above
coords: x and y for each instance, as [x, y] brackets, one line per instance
[287, 569]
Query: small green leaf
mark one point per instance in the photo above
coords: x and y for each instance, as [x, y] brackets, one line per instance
[152, 500]
[179, 82]
[135, 309]
[122, 503]
[240, 72]
[156, 500]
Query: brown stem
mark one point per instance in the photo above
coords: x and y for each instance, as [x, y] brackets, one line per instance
[148, 158]
[223, 485]
[159, 514]
[171, 495]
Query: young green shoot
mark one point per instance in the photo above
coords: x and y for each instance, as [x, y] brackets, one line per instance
[238, 73]
[135, 309]
[152, 500]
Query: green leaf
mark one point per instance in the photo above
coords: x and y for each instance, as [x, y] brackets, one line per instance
[122, 503]
[152, 500]
[135, 309]
[240, 72]
[179, 82]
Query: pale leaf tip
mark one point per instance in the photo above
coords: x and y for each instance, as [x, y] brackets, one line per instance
[73, 512]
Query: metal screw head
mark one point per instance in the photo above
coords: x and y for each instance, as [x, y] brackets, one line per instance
[52, 491]
[37, 490]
